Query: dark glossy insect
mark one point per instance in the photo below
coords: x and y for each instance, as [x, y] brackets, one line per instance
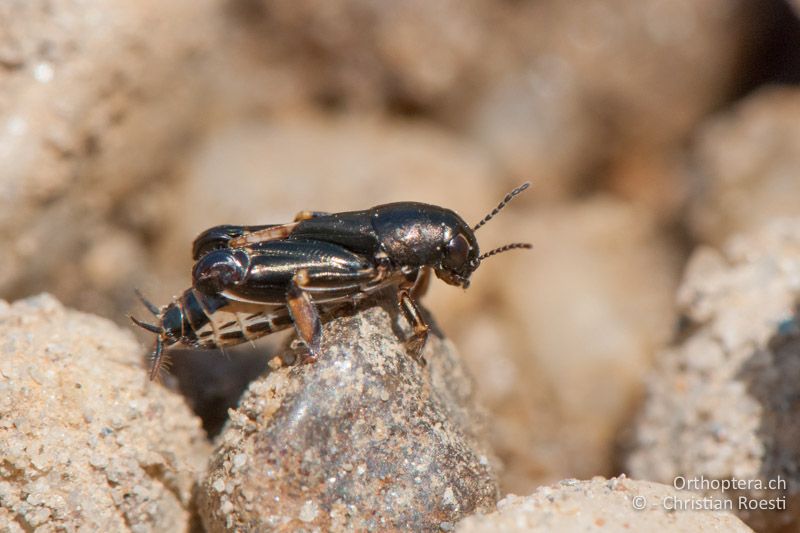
[249, 281]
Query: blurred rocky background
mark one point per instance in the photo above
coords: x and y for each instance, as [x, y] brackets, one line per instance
[648, 127]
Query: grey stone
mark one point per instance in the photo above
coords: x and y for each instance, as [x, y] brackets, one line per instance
[364, 438]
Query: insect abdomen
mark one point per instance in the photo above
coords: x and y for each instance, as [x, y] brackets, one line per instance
[234, 325]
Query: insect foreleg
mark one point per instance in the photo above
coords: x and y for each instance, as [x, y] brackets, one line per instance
[422, 283]
[416, 343]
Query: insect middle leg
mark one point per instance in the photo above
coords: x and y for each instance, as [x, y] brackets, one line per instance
[416, 343]
[422, 283]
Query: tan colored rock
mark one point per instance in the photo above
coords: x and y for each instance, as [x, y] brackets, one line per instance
[613, 505]
[364, 438]
[593, 298]
[536, 124]
[409, 53]
[746, 161]
[592, 89]
[554, 90]
[86, 441]
[319, 162]
[97, 100]
[722, 402]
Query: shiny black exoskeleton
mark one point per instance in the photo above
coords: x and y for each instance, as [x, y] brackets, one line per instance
[273, 276]
[402, 235]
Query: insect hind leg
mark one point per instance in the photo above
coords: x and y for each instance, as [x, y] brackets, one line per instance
[304, 313]
[325, 284]
[306, 215]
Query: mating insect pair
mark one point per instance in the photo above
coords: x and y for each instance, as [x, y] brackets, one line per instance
[250, 281]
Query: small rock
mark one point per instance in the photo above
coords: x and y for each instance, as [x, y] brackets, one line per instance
[449, 498]
[303, 428]
[747, 158]
[618, 505]
[308, 512]
[226, 507]
[239, 460]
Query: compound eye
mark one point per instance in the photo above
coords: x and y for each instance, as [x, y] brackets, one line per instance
[457, 251]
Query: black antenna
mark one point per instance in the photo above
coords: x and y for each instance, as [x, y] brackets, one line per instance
[510, 196]
[149, 305]
[507, 247]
